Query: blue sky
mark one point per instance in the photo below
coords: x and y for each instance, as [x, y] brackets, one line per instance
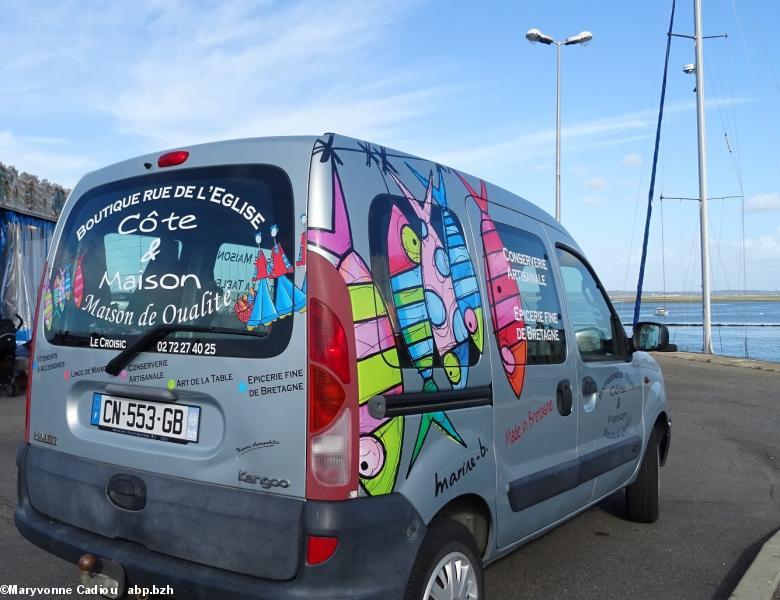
[84, 84]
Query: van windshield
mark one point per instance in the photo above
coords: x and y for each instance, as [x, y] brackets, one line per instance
[210, 247]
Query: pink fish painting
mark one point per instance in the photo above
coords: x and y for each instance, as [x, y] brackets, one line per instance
[67, 284]
[58, 294]
[48, 308]
[503, 295]
[403, 256]
[78, 283]
[450, 333]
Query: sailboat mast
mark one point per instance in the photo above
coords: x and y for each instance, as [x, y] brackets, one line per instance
[704, 228]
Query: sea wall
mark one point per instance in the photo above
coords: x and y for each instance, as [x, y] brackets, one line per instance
[25, 193]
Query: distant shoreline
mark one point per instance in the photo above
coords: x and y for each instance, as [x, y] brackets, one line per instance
[677, 299]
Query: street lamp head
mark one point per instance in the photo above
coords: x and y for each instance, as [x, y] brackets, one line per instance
[584, 37]
[689, 68]
[534, 36]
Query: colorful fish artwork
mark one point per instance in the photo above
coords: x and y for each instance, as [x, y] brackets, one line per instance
[464, 278]
[78, 282]
[449, 329]
[378, 369]
[503, 295]
[58, 294]
[403, 255]
[67, 285]
[48, 308]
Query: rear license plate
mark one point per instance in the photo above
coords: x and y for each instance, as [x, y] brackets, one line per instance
[154, 420]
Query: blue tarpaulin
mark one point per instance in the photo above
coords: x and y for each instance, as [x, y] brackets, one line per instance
[24, 243]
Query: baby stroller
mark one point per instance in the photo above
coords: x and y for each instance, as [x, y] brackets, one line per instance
[8, 371]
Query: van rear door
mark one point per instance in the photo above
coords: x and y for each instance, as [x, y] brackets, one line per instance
[207, 256]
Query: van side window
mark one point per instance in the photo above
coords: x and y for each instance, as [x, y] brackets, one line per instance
[541, 319]
[589, 311]
[423, 297]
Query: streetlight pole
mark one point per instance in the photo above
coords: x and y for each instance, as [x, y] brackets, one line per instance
[558, 134]
[534, 36]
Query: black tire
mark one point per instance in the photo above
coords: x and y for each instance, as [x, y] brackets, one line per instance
[443, 538]
[642, 495]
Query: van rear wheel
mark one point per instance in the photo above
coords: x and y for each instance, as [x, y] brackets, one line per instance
[642, 495]
[447, 566]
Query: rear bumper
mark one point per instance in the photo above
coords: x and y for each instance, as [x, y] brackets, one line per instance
[378, 542]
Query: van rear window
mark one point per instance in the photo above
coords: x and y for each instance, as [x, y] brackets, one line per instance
[205, 247]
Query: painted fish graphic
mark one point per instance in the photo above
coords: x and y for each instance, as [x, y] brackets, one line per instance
[449, 330]
[403, 256]
[464, 278]
[48, 308]
[58, 294]
[66, 282]
[378, 369]
[503, 295]
[78, 283]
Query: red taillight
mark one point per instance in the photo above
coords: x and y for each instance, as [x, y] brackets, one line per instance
[170, 159]
[332, 390]
[320, 548]
[32, 356]
[326, 397]
[327, 340]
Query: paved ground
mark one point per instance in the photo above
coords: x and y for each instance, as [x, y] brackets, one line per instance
[720, 501]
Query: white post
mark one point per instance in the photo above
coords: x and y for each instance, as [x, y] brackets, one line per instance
[558, 135]
[704, 221]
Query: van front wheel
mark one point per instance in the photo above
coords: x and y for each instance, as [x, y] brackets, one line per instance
[642, 495]
[447, 566]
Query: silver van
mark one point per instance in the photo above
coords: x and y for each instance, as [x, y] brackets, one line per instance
[315, 367]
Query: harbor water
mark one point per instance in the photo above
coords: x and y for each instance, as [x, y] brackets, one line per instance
[745, 329]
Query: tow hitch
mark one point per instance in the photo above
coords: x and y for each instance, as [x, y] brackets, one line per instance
[102, 576]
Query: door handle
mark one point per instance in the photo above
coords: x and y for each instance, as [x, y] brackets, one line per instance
[564, 397]
[590, 393]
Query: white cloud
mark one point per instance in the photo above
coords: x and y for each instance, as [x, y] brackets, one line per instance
[49, 158]
[160, 74]
[635, 126]
[595, 184]
[764, 246]
[593, 200]
[536, 144]
[288, 68]
[763, 202]
[632, 159]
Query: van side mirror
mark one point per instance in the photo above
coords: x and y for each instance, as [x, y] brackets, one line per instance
[651, 337]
